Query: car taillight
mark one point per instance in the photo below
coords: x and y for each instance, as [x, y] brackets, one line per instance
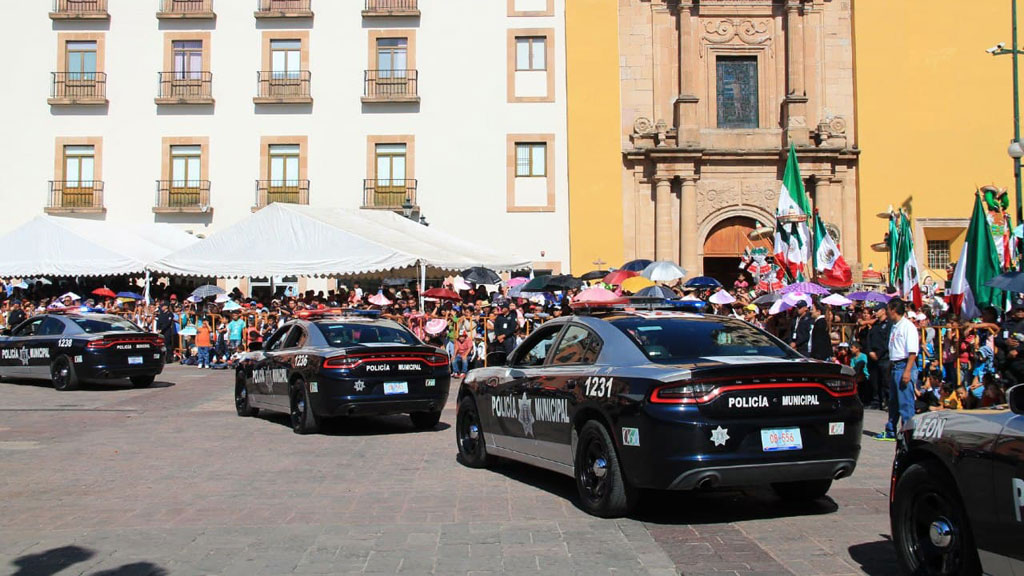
[683, 393]
[438, 360]
[841, 386]
[341, 362]
[99, 344]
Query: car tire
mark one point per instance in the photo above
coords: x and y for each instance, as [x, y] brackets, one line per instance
[425, 420]
[603, 489]
[304, 420]
[925, 502]
[62, 374]
[142, 381]
[469, 436]
[243, 406]
[802, 491]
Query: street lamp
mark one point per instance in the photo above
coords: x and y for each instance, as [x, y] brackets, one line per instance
[1015, 150]
[407, 207]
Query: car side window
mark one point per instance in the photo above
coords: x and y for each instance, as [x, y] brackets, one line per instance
[296, 338]
[30, 328]
[536, 349]
[276, 341]
[51, 327]
[578, 346]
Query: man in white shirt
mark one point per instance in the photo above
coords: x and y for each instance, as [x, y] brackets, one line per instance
[904, 345]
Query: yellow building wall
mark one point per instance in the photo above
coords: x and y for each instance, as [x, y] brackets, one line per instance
[595, 157]
[934, 111]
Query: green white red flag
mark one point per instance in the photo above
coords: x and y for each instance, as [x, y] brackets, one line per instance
[828, 259]
[792, 239]
[979, 263]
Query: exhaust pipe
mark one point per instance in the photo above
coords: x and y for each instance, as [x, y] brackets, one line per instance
[706, 482]
[841, 472]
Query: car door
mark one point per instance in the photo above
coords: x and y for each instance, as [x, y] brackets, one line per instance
[1008, 477]
[264, 371]
[286, 361]
[45, 346]
[513, 402]
[17, 356]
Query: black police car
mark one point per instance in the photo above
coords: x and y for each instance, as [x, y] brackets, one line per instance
[631, 399]
[332, 363]
[69, 348]
[957, 497]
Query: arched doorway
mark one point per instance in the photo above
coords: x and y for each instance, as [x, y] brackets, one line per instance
[724, 246]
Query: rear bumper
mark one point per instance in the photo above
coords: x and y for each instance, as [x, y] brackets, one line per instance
[755, 474]
[103, 372]
[381, 407]
[340, 397]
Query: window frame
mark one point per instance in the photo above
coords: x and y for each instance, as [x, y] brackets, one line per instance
[79, 160]
[531, 53]
[753, 59]
[947, 249]
[550, 63]
[532, 148]
[561, 339]
[531, 342]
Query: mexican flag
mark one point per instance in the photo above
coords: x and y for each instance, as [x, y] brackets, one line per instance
[828, 259]
[908, 277]
[792, 240]
[893, 241]
[978, 264]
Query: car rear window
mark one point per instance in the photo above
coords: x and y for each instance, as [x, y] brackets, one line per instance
[673, 340]
[95, 324]
[340, 335]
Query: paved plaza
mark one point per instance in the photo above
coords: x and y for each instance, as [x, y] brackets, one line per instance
[168, 480]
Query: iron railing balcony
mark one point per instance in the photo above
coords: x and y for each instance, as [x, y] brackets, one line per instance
[391, 86]
[75, 196]
[185, 88]
[388, 193]
[182, 196]
[284, 9]
[275, 87]
[177, 9]
[79, 10]
[74, 88]
[385, 8]
[285, 191]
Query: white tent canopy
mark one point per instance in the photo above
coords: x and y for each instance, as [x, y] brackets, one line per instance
[53, 246]
[295, 240]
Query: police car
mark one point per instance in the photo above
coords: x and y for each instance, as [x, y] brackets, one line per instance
[957, 497]
[69, 348]
[334, 363]
[624, 400]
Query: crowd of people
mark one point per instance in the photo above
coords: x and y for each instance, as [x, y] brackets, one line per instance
[906, 359]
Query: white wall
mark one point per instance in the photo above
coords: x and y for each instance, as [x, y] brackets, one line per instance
[460, 126]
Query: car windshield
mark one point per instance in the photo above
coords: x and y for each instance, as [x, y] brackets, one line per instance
[675, 340]
[95, 324]
[340, 335]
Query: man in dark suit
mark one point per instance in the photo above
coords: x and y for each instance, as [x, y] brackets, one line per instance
[820, 347]
[878, 358]
[801, 335]
[165, 326]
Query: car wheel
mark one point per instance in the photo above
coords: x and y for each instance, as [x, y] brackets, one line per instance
[603, 489]
[802, 491]
[929, 525]
[304, 420]
[242, 404]
[142, 381]
[425, 420]
[469, 435]
[62, 374]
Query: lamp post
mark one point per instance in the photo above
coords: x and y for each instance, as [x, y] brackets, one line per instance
[1016, 151]
[407, 207]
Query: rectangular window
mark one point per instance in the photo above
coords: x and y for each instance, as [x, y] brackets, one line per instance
[392, 57]
[390, 166]
[938, 254]
[81, 60]
[285, 58]
[79, 166]
[186, 164]
[188, 59]
[737, 91]
[531, 160]
[284, 165]
[531, 53]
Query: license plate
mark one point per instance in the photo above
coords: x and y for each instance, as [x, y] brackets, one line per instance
[778, 439]
[134, 360]
[396, 388]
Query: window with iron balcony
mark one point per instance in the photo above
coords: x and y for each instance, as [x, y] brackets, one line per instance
[79, 10]
[385, 8]
[177, 9]
[75, 196]
[284, 9]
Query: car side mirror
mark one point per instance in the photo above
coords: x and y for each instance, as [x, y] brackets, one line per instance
[1015, 398]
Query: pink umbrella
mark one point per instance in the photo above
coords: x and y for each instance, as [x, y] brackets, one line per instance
[379, 299]
[596, 295]
[436, 326]
[517, 281]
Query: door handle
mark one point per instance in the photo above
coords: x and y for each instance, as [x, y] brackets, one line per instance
[571, 384]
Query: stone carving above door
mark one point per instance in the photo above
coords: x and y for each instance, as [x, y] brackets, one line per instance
[754, 32]
[713, 196]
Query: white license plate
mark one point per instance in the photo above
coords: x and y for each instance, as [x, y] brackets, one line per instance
[134, 360]
[396, 388]
[778, 439]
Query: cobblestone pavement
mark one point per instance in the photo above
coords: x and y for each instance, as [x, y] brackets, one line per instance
[110, 480]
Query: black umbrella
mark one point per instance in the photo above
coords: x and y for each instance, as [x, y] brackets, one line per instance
[480, 275]
[1010, 282]
[552, 283]
[636, 265]
[703, 282]
[765, 299]
[594, 275]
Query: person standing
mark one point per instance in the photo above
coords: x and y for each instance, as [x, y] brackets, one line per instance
[236, 328]
[16, 315]
[819, 344]
[203, 342]
[878, 358]
[165, 326]
[801, 337]
[904, 346]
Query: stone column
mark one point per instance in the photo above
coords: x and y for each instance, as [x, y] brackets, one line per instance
[796, 95]
[686, 102]
[661, 53]
[849, 229]
[688, 227]
[822, 198]
[663, 245]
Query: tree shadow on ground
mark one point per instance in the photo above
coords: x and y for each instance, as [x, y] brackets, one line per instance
[876, 558]
[112, 386]
[54, 560]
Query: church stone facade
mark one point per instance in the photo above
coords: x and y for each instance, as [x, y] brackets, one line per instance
[712, 92]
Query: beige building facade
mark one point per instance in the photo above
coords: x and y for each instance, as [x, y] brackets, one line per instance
[712, 92]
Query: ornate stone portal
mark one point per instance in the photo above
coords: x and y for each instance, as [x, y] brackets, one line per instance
[713, 91]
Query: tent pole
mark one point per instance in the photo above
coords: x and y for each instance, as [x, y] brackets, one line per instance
[423, 284]
[146, 292]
